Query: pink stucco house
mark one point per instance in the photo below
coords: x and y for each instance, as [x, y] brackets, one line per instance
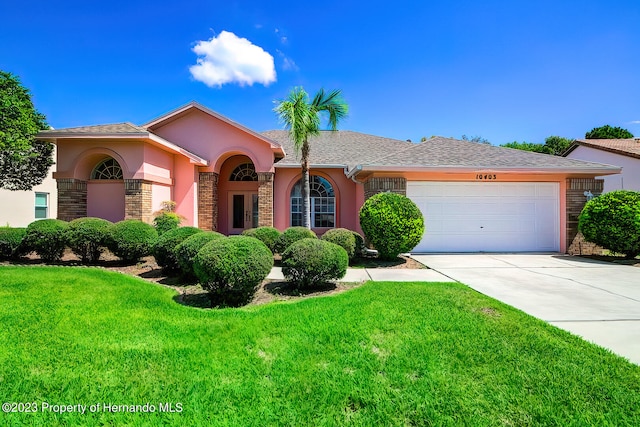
[226, 177]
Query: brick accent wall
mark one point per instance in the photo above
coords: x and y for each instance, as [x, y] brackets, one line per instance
[381, 185]
[575, 202]
[137, 200]
[265, 199]
[208, 201]
[72, 199]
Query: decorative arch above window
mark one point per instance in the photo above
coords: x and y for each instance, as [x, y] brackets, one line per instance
[323, 203]
[107, 169]
[244, 172]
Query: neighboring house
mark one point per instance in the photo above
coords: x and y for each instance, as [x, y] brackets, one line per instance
[624, 153]
[20, 208]
[226, 177]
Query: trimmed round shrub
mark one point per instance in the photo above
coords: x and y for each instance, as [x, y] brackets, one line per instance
[164, 247]
[87, 237]
[231, 268]
[11, 242]
[310, 262]
[131, 239]
[342, 237]
[186, 251]
[612, 220]
[291, 235]
[47, 237]
[166, 221]
[392, 223]
[360, 247]
[267, 235]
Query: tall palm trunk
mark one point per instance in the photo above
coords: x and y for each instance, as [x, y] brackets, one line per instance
[306, 190]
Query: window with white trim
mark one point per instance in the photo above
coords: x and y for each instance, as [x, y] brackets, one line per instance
[42, 206]
[244, 172]
[107, 169]
[323, 203]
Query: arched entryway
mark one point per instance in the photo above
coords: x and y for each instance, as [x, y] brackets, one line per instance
[105, 191]
[238, 195]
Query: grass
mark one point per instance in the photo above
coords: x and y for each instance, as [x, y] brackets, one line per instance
[381, 354]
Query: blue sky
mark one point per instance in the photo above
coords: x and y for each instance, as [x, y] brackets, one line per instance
[503, 70]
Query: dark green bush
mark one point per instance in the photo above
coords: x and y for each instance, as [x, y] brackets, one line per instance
[166, 221]
[392, 223]
[131, 239]
[231, 268]
[612, 220]
[360, 247]
[87, 237]
[310, 262]
[47, 237]
[164, 247]
[11, 242]
[342, 237]
[186, 251]
[291, 235]
[268, 235]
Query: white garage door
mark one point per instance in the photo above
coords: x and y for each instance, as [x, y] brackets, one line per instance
[488, 216]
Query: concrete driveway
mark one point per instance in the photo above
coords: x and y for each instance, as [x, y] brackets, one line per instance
[596, 300]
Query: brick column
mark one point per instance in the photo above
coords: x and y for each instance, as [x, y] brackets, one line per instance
[382, 185]
[72, 199]
[265, 199]
[208, 200]
[576, 244]
[137, 200]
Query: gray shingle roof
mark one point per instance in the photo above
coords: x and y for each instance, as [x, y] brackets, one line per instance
[349, 149]
[341, 147]
[111, 129]
[448, 152]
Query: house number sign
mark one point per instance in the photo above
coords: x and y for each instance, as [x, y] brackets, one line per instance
[486, 176]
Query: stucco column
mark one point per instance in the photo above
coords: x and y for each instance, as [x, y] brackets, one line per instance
[575, 202]
[265, 199]
[208, 201]
[137, 200]
[72, 198]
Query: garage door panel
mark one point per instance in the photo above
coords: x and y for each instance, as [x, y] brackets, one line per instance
[487, 216]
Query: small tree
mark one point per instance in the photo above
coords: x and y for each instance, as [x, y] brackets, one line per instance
[608, 132]
[613, 221]
[24, 161]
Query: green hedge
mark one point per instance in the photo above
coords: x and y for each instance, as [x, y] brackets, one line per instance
[267, 235]
[392, 223]
[131, 239]
[310, 262]
[186, 251]
[166, 221]
[342, 237]
[231, 268]
[11, 242]
[292, 235]
[87, 237]
[46, 237]
[164, 247]
[612, 220]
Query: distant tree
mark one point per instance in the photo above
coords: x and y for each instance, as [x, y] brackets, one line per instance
[423, 139]
[24, 161]
[608, 132]
[527, 146]
[557, 145]
[477, 139]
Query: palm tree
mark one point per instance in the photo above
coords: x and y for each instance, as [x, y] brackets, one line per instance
[302, 120]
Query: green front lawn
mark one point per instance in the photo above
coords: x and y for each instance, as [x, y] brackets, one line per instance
[382, 354]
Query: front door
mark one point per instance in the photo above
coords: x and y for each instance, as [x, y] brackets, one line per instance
[243, 211]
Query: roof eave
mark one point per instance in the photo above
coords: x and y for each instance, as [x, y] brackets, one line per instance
[466, 169]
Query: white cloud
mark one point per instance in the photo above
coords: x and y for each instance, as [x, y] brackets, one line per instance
[228, 58]
[634, 122]
[288, 64]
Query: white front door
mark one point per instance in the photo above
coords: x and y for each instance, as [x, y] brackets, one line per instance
[243, 211]
[488, 216]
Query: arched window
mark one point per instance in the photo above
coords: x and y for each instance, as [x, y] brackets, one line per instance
[244, 172]
[323, 203]
[107, 169]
